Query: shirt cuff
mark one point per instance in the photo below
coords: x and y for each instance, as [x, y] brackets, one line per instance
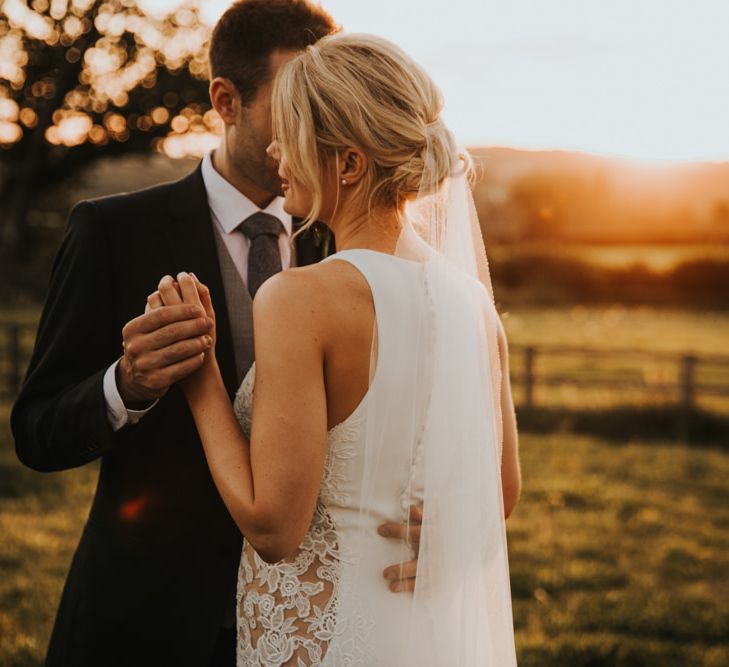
[117, 413]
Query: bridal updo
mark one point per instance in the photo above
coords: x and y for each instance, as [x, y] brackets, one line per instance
[363, 91]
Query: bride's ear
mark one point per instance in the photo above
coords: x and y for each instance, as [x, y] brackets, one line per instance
[352, 166]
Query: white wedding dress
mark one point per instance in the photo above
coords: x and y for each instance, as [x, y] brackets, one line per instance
[330, 605]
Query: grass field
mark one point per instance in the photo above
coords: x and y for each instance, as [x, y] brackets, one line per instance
[619, 554]
[41, 517]
[656, 329]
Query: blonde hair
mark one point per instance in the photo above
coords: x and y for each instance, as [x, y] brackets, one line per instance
[357, 90]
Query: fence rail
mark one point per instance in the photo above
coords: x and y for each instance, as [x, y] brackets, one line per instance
[552, 366]
[682, 379]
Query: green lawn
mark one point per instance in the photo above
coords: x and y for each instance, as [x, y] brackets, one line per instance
[619, 554]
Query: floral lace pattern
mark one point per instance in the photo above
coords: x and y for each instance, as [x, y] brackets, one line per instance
[287, 611]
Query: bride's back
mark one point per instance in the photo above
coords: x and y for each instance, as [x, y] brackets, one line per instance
[361, 288]
[377, 466]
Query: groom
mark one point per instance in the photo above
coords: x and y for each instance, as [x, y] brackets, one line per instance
[153, 579]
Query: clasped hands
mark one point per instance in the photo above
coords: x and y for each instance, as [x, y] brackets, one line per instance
[167, 343]
[175, 338]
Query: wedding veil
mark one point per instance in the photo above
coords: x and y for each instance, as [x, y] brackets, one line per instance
[460, 612]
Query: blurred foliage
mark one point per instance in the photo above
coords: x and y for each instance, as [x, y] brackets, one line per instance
[48, 212]
[550, 278]
[85, 78]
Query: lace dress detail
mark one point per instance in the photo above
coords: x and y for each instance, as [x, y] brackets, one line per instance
[287, 611]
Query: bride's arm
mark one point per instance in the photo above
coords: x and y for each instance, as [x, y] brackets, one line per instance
[270, 485]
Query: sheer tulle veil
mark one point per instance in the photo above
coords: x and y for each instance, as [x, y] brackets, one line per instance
[460, 613]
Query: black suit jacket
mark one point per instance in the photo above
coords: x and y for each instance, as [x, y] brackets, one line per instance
[156, 566]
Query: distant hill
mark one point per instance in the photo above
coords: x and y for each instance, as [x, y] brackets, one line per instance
[524, 196]
[577, 197]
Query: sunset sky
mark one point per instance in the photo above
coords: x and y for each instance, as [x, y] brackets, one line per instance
[636, 78]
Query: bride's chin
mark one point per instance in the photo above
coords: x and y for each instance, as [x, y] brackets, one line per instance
[293, 210]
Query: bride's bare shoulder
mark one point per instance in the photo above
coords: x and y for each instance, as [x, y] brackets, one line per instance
[311, 290]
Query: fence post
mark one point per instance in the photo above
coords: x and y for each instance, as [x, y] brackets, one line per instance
[529, 354]
[688, 369]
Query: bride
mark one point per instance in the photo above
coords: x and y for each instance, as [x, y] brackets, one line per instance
[380, 381]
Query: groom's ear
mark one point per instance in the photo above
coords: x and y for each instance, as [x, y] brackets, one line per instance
[225, 99]
[352, 165]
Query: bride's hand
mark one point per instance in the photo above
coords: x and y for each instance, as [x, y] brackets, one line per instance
[188, 289]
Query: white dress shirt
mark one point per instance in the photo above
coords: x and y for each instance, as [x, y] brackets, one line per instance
[228, 208]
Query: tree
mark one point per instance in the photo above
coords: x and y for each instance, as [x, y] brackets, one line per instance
[84, 78]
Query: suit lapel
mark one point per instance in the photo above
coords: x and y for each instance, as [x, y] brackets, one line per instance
[190, 235]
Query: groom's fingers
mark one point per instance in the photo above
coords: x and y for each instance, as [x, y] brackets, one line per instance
[401, 577]
[156, 360]
[161, 327]
[177, 332]
[161, 317]
[164, 377]
[404, 586]
[409, 532]
[145, 371]
[416, 514]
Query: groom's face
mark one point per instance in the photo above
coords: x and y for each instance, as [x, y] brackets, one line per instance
[252, 132]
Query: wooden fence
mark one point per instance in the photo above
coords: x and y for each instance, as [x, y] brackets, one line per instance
[541, 375]
[619, 376]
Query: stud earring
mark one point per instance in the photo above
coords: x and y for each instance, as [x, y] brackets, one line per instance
[344, 181]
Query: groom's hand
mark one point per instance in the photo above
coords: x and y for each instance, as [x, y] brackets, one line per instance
[161, 347]
[401, 577]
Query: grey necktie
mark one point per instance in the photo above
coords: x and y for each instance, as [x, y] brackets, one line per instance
[264, 256]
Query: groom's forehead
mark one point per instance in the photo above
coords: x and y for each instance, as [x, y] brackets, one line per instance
[276, 61]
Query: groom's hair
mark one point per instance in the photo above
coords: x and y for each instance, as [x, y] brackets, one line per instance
[251, 30]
